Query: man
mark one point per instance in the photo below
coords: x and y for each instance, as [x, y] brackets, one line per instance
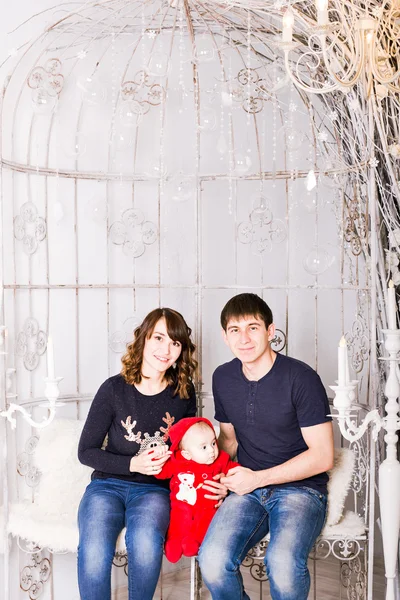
[273, 412]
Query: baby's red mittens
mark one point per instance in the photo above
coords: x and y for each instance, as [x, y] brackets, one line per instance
[173, 550]
[190, 546]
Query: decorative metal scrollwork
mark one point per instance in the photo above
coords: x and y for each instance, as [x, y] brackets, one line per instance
[133, 233]
[31, 343]
[48, 77]
[121, 561]
[261, 230]
[25, 468]
[358, 346]
[279, 341]
[34, 576]
[142, 92]
[341, 548]
[354, 579]
[355, 231]
[29, 228]
[254, 561]
[251, 92]
[119, 339]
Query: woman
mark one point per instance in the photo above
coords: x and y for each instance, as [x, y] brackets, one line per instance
[135, 409]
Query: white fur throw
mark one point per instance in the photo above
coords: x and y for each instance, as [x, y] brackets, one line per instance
[340, 477]
[351, 525]
[51, 520]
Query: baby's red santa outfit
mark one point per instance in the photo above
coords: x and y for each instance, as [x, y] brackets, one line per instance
[191, 513]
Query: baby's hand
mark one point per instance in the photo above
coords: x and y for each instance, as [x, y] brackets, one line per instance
[160, 452]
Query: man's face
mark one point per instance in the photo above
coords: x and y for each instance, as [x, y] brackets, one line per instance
[248, 338]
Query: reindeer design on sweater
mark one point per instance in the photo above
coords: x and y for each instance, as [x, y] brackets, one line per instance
[148, 441]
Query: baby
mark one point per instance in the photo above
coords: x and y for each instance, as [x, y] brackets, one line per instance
[195, 457]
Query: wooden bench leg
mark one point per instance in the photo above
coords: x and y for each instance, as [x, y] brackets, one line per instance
[195, 579]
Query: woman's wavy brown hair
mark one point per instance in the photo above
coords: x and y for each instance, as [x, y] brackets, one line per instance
[179, 377]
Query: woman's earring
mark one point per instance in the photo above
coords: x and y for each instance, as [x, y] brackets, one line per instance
[174, 365]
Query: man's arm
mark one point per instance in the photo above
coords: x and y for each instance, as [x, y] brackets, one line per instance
[318, 458]
[227, 439]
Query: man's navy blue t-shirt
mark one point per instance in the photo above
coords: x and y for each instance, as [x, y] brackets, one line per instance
[267, 414]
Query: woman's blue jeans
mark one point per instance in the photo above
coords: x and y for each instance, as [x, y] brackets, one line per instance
[294, 517]
[107, 506]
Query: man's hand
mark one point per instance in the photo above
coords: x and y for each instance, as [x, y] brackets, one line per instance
[219, 490]
[241, 480]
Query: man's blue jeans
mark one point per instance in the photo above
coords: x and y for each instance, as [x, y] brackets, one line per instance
[107, 506]
[294, 517]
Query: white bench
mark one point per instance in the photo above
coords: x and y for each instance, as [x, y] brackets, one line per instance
[50, 522]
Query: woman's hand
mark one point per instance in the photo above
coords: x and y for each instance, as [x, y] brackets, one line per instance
[151, 461]
[219, 490]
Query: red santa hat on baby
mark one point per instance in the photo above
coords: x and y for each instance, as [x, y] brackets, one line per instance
[178, 430]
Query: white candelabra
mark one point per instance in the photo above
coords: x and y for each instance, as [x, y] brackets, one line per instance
[345, 41]
[51, 392]
[389, 470]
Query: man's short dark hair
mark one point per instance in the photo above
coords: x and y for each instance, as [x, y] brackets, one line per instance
[246, 305]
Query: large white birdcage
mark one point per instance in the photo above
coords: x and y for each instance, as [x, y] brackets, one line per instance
[155, 154]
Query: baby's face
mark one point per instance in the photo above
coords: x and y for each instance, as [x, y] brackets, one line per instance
[200, 445]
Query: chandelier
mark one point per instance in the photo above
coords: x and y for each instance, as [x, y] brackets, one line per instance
[341, 44]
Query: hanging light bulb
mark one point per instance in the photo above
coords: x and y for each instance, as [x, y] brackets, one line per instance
[96, 209]
[317, 261]
[208, 120]
[292, 139]
[42, 102]
[205, 51]
[131, 114]
[277, 76]
[183, 188]
[92, 90]
[261, 213]
[222, 146]
[121, 140]
[331, 179]
[242, 164]
[158, 64]
[154, 169]
[76, 147]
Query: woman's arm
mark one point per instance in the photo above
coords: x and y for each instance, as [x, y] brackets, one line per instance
[97, 425]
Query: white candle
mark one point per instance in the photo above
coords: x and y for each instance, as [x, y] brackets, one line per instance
[392, 309]
[342, 352]
[322, 12]
[347, 366]
[50, 358]
[287, 25]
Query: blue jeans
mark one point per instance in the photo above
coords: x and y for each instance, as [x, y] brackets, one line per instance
[293, 516]
[107, 506]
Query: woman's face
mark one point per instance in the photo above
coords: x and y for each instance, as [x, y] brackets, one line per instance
[160, 352]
